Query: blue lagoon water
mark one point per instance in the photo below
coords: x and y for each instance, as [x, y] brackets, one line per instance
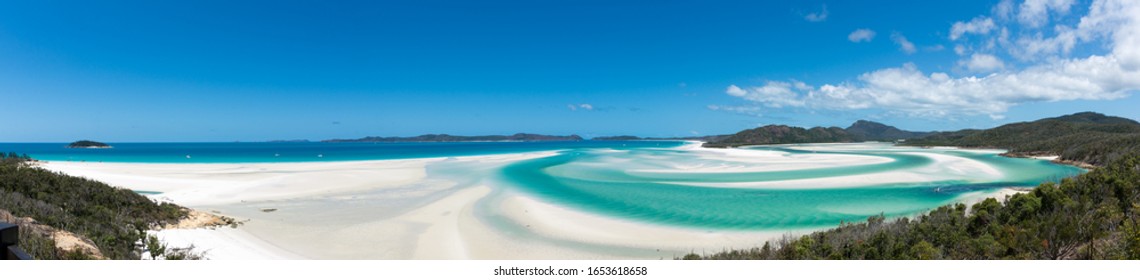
[647, 181]
[613, 183]
[266, 152]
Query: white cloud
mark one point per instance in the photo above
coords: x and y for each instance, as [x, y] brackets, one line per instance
[773, 95]
[904, 45]
[1035, 13]
[743, 110]
[1004, 10]
[907, 90]
[861, 35]
[735, 91]
[817, 17]
[1048, 73]
[583, 106]
[980, 25]
[982, 63]
[1106, 24]
[1122, 19]
[1036, 46]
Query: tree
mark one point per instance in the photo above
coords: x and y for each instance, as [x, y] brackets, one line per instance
[155, 247]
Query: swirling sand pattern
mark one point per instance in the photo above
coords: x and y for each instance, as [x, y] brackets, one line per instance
[648, 185]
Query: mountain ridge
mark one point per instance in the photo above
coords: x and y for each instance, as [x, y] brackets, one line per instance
[457, 138]
[859, 131]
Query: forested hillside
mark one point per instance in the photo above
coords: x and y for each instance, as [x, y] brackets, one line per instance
[114, 219]
[782, 134]
[1083, 137]
[1092, 216]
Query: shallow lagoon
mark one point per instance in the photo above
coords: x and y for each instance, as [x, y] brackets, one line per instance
[690, 187]
[776, 187]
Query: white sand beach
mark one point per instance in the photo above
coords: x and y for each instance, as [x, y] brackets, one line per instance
[340, 210]
[944, 167]
[763, 160]
[392, 209]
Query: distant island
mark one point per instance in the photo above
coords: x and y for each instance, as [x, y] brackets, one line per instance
[289, 141]
[617, 138]
[519, 137]
[859, 131]
[709, 138]
[88, 144]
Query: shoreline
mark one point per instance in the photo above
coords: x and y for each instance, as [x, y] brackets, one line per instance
[1004, 152]
[393, 209]
[301, 162]
[1051, 158]
[305, 225]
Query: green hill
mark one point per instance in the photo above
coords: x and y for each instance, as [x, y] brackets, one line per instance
[782, 134]
[617, 138]
[873, 131]
[456, 138]
[707, 138]
[1083, 137]
[114, 219]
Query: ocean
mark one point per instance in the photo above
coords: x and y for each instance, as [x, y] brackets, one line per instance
[268, 152]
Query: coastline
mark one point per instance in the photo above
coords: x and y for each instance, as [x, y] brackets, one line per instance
[426, 227]
[393, 209]
[1050, 157]
[1004, 152]
[423, 220]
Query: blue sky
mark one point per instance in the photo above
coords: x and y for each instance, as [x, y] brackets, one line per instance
[263, 70]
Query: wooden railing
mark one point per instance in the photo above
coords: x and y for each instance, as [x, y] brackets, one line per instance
[9, 239]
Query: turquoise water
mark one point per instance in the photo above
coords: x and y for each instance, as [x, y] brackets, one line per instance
[614, 184]
[645, 180]
[263, 152]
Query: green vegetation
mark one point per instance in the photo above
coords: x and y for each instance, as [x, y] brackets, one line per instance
[781, 134]
[709, 138]
[873, 131]
[114, 219]
[1086, 137]
[454, 138]
[87, 144]
[617, 138]
[289, 141]
[1092, 216]
[1083, 137]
